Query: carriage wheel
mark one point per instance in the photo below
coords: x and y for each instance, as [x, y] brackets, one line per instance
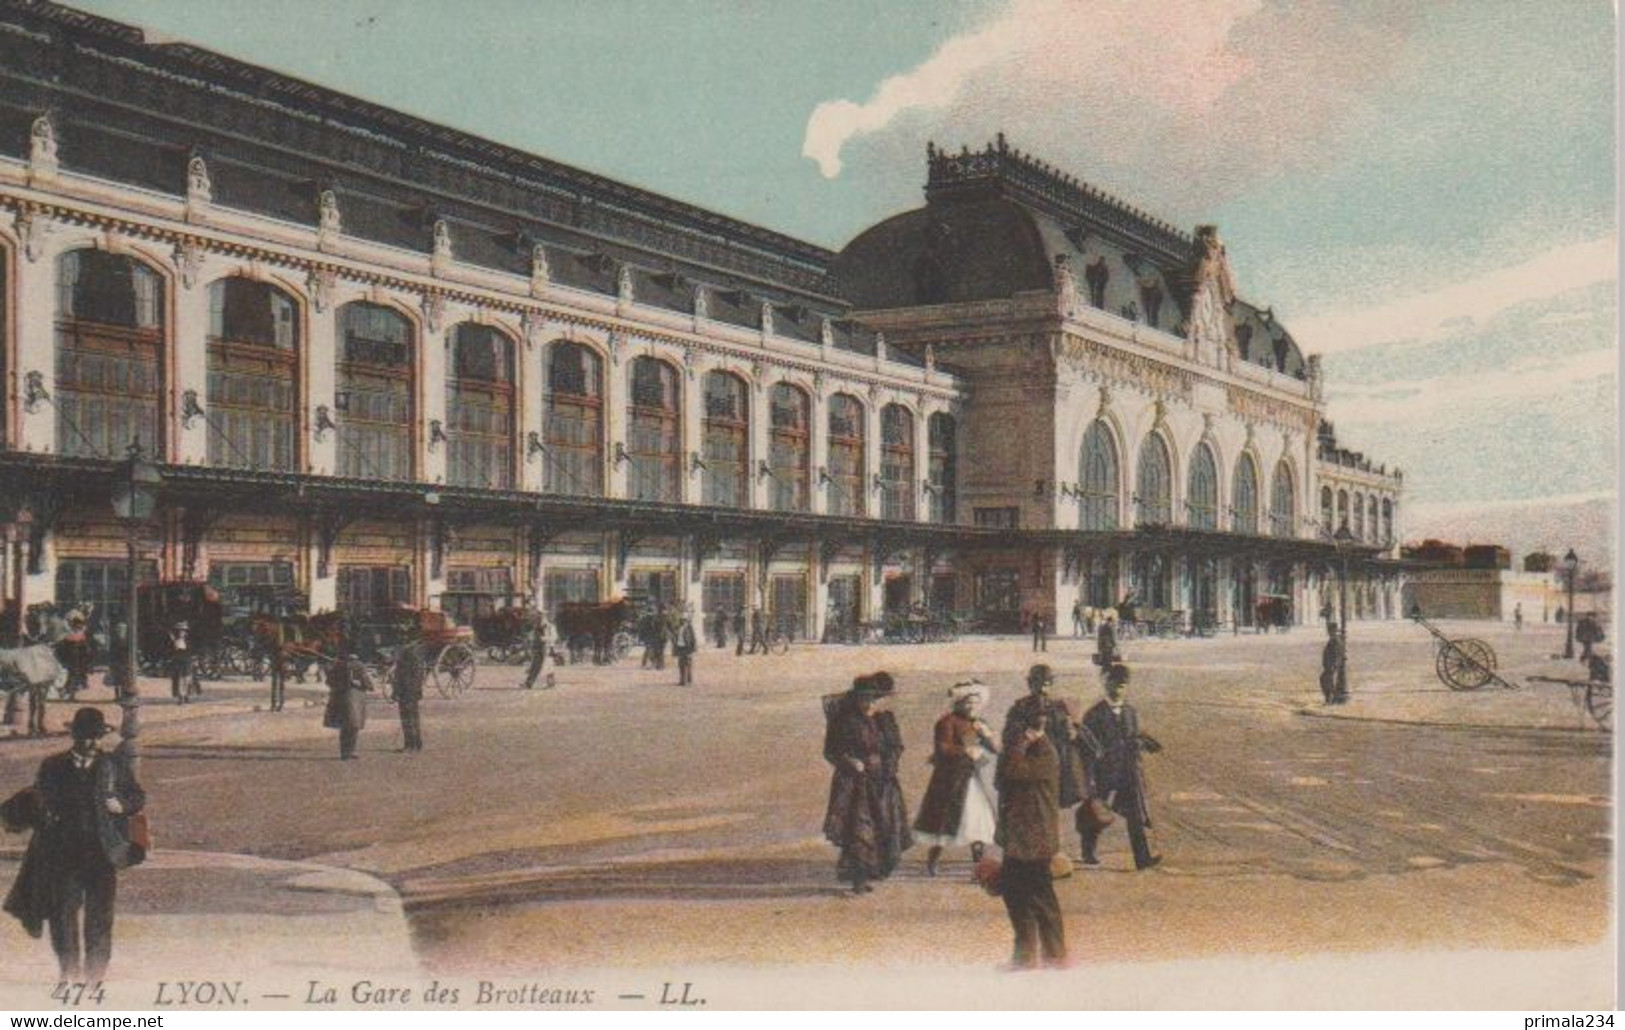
[1600, 703]
[1465, 664]
[454, 670]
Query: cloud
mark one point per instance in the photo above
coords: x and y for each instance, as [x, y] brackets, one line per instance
[1186, 101]
[1453, 309]
[1427, 400]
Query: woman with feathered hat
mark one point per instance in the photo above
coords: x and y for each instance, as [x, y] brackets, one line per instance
[960, 805]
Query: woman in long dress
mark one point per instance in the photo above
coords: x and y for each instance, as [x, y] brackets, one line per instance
[960, 805]
[866, 818]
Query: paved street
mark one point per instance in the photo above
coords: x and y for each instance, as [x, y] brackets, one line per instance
[622, 821]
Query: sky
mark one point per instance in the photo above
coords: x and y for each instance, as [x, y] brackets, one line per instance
[1423, 191]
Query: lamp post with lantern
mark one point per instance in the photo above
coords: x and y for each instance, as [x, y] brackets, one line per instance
[1345, 543]
[1571, 565]
[135, 501]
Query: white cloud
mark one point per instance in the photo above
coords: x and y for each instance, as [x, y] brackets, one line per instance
[1434, 314]
[1171, 55]
[1398, 403]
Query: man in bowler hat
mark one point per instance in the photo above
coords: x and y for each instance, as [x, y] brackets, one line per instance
[1112, 742]
[408, 685]
[84, 799]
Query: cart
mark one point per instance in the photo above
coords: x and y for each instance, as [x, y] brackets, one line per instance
[1464, 663]
[448, 649]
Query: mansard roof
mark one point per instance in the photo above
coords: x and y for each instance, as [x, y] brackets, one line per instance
[993, 225]
[133, 110]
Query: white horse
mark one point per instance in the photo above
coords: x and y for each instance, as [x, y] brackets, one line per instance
[33, 670]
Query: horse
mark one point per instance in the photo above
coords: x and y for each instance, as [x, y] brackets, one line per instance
[597, 622]
[35, 670]
[302, 640]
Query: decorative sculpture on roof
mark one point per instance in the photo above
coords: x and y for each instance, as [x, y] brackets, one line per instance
[702, 302]
[930, 358]
[1066, 286]
[1211, 331]
[624, 285]
[539, 273]
[329, 223]
[42, 144]
[767, 318]
[826, 333]
[442, 242]
[1096, 274]
[199, 187]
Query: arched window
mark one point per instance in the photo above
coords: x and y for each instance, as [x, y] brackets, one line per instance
[943, 473]
[846, 456]
[1154, 486]
[1372, 529]
[727, 441]
[1326, 510]
[1246, 495]
[375, 387]
[575, 421]
[790, 448]
[1387, 520]
[479, 407]
[1202, 490]
[896, 463]
[1098, 479]
[1357, 526]
[1342, 511]
[109, 355]
[1283, 507]
[253, 375]
[654, 433]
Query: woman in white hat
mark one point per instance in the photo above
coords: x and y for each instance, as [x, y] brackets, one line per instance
[960, 806]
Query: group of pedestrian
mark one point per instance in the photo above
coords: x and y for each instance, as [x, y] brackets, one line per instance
[668, 625]
[1010, 791]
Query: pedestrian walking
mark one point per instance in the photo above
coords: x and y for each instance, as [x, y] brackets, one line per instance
[758, 631]
[683, 645]
[80, 809]
[866, 817]
[1040, 632]
[182, 678]
[719, 628]
[1060, 726]
[1589, 633]
[1517, 617]
[74, 653]
[347, 687]
[1112, 742]
[961, 805]
[1077, 619]
[739, 631]
[407, 683]
[538, 639]
[1029, 832]
[1106, 643]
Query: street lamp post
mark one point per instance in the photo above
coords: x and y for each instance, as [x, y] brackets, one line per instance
[135, 500]
[1571, 565]
[1345, 542]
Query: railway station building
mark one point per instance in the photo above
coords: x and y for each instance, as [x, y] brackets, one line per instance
[382, 362]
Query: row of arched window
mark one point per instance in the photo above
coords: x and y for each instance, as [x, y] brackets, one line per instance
[1368, 519]
[1101, 487]
[109, 375]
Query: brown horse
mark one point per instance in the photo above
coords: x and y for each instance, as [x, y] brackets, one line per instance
[580, 620]
[302, 640]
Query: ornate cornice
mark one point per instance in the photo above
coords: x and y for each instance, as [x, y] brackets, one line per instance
[321, 273]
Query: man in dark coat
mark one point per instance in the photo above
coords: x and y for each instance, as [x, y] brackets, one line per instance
[739, 631]
[1589, 633]
[1334, 674]
[84, 799]
[1040, 632]
[347, 687]
[1059, 726]
[719, 628]
[1029, 832]
[1112, 740]
[866, 817]
[408, 687]
[1106, 643]
[683, 645]
[758, 631]
[537, 636]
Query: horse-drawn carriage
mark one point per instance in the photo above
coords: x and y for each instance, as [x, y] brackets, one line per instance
[162, 607]
[1273, 611]
[502, 624]
[448, 649]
